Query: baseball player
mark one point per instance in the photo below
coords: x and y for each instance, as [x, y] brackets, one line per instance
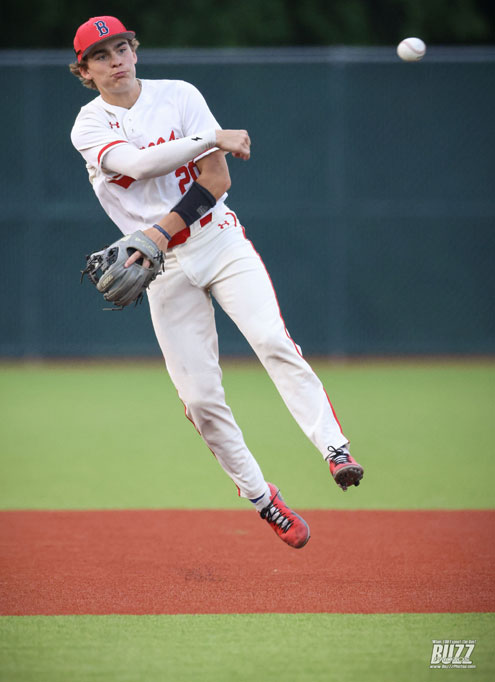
[156, 160]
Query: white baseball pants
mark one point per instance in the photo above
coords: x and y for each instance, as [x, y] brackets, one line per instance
[219, 261]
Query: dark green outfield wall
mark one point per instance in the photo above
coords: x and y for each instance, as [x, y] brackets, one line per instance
[370, 195]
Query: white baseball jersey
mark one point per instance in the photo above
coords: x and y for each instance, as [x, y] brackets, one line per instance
[165, 110]
[217, 261]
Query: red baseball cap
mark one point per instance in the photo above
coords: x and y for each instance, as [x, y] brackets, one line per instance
[95, 30]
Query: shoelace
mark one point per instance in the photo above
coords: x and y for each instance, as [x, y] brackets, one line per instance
[337, 455]
[274, 515]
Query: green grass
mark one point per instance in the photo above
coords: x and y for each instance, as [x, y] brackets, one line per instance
[97, 436]
[238, 648]
[79, 437]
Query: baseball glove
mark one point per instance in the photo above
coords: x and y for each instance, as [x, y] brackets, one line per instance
[119, 285]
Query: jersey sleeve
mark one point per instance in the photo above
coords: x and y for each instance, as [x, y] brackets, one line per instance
[93, 138]
[195, 113]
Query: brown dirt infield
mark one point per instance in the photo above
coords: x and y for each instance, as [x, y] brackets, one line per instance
[170, 561]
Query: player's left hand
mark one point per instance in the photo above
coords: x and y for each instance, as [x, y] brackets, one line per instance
[120, 283]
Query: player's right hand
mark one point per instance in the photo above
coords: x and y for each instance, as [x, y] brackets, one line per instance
[159, 240]
[235, 141]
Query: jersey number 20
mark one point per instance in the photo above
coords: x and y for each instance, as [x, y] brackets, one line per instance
[186, 174]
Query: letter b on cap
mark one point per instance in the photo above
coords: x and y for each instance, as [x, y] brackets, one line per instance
[103, 29]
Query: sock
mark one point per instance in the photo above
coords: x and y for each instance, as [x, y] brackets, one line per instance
[263, 500]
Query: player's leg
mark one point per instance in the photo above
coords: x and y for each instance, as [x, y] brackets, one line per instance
[183, 319]
[245, 292]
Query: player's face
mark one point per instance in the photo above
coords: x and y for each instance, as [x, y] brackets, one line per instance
[112, 67]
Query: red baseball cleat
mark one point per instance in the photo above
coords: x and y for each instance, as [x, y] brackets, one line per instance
[344, 468]
[289, 526]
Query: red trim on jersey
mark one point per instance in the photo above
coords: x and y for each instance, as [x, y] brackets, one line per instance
[123, 181]
[286, 330]
[180, 237]
[110, 144]
[183, 235]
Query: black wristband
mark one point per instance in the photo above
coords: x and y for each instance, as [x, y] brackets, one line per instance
[194, 204]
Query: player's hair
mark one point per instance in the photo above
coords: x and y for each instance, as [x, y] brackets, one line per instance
[89, 82]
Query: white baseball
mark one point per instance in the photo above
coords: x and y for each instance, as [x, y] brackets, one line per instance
[411, 49]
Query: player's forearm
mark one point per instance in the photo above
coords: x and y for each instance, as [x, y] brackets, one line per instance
[161, 159]
[171, 223]
[214, 174]
[217, 186]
